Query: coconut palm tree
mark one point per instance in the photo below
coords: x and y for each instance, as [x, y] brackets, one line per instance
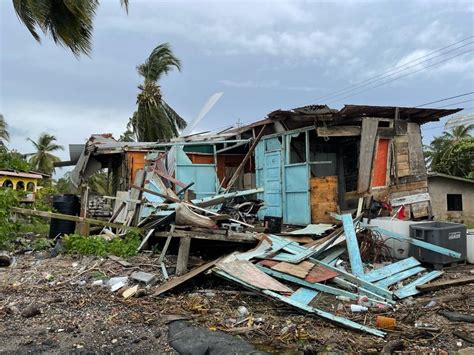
[4, 136]
[450, 146]
[154, 119]
[69, 23]
[43, 160]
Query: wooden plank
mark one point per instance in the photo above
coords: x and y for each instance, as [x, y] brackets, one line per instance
[323, 314]
[339, 131]
[240, 168]
[457, 317]
[67, 217]
[151, 192]
[300, 270]
[406, 200]
[367, 146]
[392, 280]
[411, 288]
[323, 197]
[320, 273]
[179, 280]
[249, 273]
[386, 271]
[314, 286]
[183, 255]
[448, 283]
[415, 148]
[304, 295]
[415, 241]
[357, 267]
[358, 281]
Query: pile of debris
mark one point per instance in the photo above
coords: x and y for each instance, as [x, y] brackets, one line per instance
[295, 272]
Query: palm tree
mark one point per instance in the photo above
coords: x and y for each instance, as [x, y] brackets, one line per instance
[443, 150]
[4, 136]
[458, 133]
[154, 119]
[128, 135]
[43, 160]
[69, 23]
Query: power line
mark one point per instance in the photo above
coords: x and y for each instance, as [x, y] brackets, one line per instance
[446, 99]
[401, 70]
[404, 75]
[351, 87]
[456, 103]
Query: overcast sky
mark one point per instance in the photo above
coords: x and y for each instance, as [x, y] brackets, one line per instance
[265, 56]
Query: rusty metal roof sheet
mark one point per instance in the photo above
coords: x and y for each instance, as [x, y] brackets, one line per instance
[419, 115]
[324, 112]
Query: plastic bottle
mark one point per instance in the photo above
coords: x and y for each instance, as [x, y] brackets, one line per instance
[358, 308]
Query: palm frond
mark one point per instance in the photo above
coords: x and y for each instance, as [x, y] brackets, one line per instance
[160, 61]
[4, 135]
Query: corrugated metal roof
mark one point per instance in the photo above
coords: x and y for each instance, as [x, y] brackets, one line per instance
[419, 115]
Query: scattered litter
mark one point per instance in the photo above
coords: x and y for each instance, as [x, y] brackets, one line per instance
[116, 283]
[144, 277]
[130, 292]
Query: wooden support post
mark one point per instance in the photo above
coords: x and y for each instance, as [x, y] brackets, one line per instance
[83, 228]
[183, 256]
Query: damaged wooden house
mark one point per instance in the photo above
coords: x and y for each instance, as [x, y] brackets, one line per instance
[304, 163]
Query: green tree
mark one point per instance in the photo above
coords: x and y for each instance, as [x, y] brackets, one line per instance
[68, 22]
[154, 119]
[43, 160]
[128, 135]
[452, 153]
[12, 160]
[4, 136]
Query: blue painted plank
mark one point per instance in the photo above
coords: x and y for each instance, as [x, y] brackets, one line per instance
[357, 280]
[352, 245]
[411, 290]
[316, 286]
[304, 295]
[391, 280]
[332, 255]
[415, 241]
[326, 315]
[386, 271]
[373, 297]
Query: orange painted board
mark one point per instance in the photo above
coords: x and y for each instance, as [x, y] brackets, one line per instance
[319, 274]
[379, 176]
[300, 270]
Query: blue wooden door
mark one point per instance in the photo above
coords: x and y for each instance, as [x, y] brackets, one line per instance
[268, 158]
[272, 183]
[297, 209]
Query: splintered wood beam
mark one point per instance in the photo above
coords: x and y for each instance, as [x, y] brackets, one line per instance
[66, 217]
[151, 192]
[239, 170]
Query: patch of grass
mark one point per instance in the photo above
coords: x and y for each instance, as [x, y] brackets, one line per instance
[42, 244]
[98, 246]
[97, 275]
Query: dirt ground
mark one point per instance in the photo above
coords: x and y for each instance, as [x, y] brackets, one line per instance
[49, 305]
